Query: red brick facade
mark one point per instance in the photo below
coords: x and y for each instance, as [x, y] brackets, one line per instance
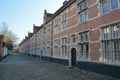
[91, 29]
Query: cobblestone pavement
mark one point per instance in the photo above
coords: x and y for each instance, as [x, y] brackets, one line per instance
[22, 67]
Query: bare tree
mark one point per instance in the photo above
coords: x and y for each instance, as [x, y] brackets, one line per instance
[9, 37]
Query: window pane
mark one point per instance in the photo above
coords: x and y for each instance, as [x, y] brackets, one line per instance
[114, 4]
[80, 18]
[81, 51]
[104, 6]
[86, 16]
[108, 56]
[86, 36]
[115, 31]
[81, 7]
[85, 4]
[73, 38]
[106, 33]
[64, 26]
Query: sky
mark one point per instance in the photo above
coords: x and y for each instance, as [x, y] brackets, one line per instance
[20, 15]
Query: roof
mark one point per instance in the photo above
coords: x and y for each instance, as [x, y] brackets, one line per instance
[64, 6]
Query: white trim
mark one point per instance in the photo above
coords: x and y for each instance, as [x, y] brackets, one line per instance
[97, 41]
[108, 24]
[92, 5]
[94, 29]
[75, 14]
[87, 30]
[90, 19]
[61, 46]
[109, 8]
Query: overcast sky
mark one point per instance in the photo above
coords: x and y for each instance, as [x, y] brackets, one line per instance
[20, 15]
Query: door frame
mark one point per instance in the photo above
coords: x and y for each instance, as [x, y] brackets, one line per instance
[73, 56]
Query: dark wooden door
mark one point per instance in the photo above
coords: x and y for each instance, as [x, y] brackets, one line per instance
[73, 57]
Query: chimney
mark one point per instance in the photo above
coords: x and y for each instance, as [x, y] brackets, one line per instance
[65, 2]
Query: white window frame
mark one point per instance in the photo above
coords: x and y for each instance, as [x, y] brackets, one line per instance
[64, 21]
[112, 40]
[73, 37]
[85, 54]
[64, 47]
[56, 47]
[108, 6]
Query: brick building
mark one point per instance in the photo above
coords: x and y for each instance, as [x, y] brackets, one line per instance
[79, 32]
[3, 49]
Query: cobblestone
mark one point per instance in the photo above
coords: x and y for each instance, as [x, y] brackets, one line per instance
[22, 67]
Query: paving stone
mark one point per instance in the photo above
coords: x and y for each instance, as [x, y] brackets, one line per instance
[22, 67]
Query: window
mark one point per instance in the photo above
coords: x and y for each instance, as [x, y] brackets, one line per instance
[48, 48]
[116, 31]
[111, 43]
[83, 45]
[44, 49]
[104, 6]
[106, 33]
[108, 5]
[83, 37]
[64, 47]
[56, 22]
[86, 4]
[56, 48]
[63, 41]
[48, 30]
[116, 49]
[56, 42]
[83, 13]
[83, 17]
[56, 26]
[73, 39]
[64, 21]
[83, 5]
[86, 16]
[44, 29]
[55, 30]
[114, 4]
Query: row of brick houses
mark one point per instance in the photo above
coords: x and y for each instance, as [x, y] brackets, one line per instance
[77, 34]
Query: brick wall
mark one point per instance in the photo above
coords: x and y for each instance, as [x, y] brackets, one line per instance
[96, 20]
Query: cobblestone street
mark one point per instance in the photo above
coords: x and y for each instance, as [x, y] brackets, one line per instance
[22, 67]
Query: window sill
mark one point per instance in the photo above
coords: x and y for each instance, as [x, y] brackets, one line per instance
[83, 42]
[110, 39]
[83, 22]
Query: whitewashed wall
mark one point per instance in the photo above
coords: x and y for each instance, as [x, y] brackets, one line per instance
[5, 51]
